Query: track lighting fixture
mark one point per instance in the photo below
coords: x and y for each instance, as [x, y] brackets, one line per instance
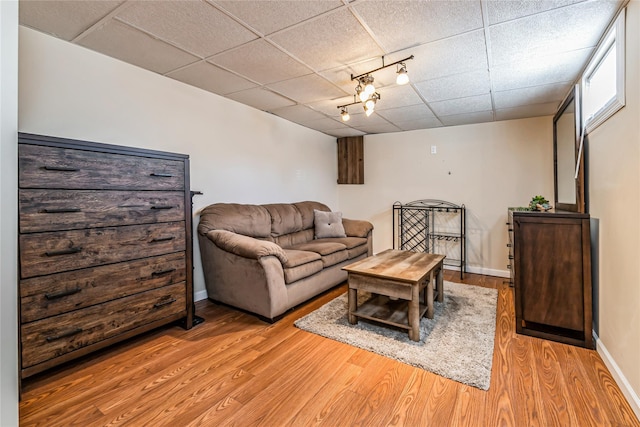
[366, 91]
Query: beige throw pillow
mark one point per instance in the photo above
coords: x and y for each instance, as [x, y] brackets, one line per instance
[328, 224]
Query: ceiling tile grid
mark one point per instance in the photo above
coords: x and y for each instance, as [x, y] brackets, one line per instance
[474, 61]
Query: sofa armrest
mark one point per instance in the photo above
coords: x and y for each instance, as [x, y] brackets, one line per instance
[356, 227]
[245, 246]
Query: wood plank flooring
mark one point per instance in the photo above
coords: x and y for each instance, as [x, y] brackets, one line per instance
[235, 370]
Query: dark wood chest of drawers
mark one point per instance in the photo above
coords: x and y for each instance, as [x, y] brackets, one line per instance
[551, 273]
[104, 246]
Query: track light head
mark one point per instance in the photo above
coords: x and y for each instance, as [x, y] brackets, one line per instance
[403, 77]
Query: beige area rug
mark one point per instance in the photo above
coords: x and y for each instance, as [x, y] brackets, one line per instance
[457, 343]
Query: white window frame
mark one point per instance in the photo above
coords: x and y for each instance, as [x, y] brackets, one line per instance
[616, 34]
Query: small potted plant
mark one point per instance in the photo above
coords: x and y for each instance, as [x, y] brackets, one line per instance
[539, 203]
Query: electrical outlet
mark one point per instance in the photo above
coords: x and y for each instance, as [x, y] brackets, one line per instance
[434, 149]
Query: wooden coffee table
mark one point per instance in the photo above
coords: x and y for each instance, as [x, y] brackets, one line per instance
[394, 278]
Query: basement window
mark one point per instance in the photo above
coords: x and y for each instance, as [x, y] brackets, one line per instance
[603, 80]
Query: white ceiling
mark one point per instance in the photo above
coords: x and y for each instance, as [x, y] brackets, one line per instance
[475, 60]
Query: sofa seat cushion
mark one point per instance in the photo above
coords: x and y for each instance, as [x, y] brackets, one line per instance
[356, 246]
[331, 252]
[300, 264]
[297, 258]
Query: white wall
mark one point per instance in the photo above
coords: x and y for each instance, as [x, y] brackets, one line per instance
[8, 213]
[487, 167]
[238, 154]
[614, 200]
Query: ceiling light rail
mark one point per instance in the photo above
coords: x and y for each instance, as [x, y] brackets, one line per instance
[366, 91]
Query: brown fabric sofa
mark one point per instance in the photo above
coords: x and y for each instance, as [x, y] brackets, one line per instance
[265, 259]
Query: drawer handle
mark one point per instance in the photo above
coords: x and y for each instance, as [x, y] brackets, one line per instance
[509, 266]
[163, 303]
[64, 252]
[162, 272]
[510, 256]
[61, 294]
[162, 207]
[162, 239]
[161, 175]
[61, 210]
[511, 229]
[60, 169]
[69, 333]
[508, 245]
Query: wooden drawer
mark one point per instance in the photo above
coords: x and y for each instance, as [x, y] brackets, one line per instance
[59, 293]
[65, 168]
[51, 210]
[55, 336]
[55, 252]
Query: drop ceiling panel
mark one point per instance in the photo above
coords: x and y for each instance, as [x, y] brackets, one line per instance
[466, 119]
[382, 127]
[329, 107]
[298, 114]
[560, 68]
[261, 62]
[500, 11]
[270, 16]
[401, 23]
[536, 110]
[123, 42]
[454, 55]
[327, 125]
[425, 123]
[531, 95]
[209, 30]
[261, 99]
[211, 78]
[64, 19]
[333, 40]
[398, 96]
[455, 86]
[405, 114]
[360, 120]
[560, 30]
[469, 104]
[307, 89]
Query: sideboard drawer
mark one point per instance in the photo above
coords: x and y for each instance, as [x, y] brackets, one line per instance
[55, 252]
[55, 294]
[55, 167]
[55, 336]
[51, 210]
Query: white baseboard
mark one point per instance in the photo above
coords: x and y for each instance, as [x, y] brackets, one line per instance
[200, 295]
[618, 376]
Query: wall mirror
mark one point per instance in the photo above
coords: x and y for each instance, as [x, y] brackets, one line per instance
[568, 155]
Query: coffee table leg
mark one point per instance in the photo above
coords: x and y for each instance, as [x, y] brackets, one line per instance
[429, 291]
[439, 285]
[353, 305]
[414, 313]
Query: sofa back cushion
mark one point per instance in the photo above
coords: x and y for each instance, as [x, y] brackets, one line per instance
[306, 211]
[248, 220]
[285, 218]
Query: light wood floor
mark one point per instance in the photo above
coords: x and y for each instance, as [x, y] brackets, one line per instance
[237, 370]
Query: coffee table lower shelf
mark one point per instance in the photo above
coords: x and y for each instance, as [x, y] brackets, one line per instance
[380, 308]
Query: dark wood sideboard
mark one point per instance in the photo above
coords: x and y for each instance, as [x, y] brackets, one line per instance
[105, 248]
[551, 272]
